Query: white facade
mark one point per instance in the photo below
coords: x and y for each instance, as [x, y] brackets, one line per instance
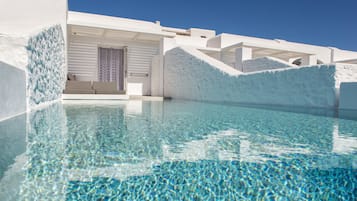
[139, 39]
[147, 42]
[145, 45]
[83, 59]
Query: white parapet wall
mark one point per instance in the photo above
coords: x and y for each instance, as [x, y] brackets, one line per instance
[264, 63]
[348, 96]
[190, 74]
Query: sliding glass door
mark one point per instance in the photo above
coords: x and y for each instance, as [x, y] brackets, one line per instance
[111, 66]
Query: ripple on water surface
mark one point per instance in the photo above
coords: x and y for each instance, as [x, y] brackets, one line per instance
[176, 150]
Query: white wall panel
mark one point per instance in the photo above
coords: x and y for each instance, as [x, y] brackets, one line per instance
[228, 58]
[83, 59]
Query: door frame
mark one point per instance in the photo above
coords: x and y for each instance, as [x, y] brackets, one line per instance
[125, 62]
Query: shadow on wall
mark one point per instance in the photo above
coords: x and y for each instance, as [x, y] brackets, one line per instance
[12, 91]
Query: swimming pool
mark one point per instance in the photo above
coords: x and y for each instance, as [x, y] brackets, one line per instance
[176, 150]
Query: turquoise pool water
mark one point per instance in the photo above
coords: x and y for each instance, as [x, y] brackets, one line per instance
[176, 150]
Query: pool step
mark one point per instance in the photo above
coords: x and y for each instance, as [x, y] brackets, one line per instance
[95, 97]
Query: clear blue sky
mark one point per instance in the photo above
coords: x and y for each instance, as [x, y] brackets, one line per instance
[320, 22]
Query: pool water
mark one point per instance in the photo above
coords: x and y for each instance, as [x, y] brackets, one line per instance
[176, 150]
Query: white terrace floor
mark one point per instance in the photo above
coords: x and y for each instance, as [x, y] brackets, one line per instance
[109, 97]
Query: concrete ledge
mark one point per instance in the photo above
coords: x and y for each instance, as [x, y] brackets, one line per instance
[94, 97]
[96, 102]
[146, 98]
[348, 96]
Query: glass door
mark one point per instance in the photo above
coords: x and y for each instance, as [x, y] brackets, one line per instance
[111, 66]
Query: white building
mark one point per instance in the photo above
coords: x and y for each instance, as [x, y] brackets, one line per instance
[145, 43]
[131, 53]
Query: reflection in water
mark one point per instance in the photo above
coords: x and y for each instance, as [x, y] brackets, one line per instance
[12, 159]
[186, 150]
[12, 141]
[45, 177]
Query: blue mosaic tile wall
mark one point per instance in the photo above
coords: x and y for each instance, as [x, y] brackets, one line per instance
[46, 66]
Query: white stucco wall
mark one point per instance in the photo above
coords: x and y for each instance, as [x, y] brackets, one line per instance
[22, 17]
[12, 91]
[224, 40]
[215, 55]
[264, 63]
[32, 70]
[13, 64]
[345, 73]
[83, 60]
[193, 41]
[13, 51]
[190, 75]
[214, 42]
[156, 71]
[20, 23]
[228, 58]
[341, 55]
